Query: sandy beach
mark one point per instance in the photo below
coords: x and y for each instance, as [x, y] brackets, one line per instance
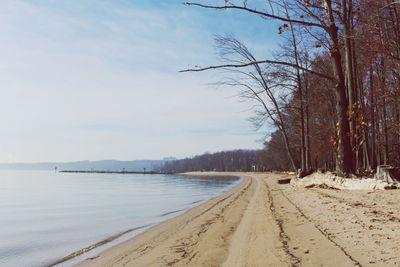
[262, 223]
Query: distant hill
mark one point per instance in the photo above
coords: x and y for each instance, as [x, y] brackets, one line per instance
[101, 165]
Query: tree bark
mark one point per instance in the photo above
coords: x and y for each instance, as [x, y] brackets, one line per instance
[303, 151]
[372, 114]
[344, 162]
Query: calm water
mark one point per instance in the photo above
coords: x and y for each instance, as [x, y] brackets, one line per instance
[45, 216]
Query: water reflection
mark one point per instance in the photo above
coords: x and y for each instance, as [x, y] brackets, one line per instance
[45, 215]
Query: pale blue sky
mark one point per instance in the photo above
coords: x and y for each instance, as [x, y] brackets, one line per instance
[92, 79]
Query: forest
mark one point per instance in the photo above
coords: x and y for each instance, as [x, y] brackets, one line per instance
[235, 160]
[331, 92]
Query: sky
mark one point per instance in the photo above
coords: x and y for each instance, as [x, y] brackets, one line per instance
[94, 79]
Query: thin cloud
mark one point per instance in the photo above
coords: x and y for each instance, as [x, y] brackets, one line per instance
[99, 79]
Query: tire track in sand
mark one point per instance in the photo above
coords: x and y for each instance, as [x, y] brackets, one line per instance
[305, 239]
[258, 238]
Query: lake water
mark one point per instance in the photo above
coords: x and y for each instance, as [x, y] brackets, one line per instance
[45, 216]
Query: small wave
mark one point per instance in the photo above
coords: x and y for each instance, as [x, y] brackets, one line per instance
[96, 245]
[171, 212]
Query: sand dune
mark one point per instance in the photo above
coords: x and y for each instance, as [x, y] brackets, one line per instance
[263, 223]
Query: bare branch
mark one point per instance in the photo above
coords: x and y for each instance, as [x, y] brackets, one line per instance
[254, 11]
[257, 63]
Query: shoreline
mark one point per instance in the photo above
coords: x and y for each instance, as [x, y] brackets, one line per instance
[94, 246]
[188, 214]
[106, 244]
[260, 222]
[116, 172]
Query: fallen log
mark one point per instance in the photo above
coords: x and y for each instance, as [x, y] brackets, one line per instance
[284, 181]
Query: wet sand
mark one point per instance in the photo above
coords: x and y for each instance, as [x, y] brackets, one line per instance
[262, 223]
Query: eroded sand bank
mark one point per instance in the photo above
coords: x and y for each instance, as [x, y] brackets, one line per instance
[263, 223]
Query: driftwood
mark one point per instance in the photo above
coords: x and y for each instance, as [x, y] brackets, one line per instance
[387, 174]
[303, 173]
[284, 181]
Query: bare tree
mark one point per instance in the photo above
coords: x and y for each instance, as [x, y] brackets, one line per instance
[311, 14]
[255, 85]
[335, 83]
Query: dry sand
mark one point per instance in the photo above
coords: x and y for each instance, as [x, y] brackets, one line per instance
[263, 223]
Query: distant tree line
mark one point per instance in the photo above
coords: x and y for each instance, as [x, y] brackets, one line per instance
[236, 160]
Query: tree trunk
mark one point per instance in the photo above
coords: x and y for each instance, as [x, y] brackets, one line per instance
[385, 128]
[307, 115]
[372, 114]
[344, 164]
[304, 167]
[287, 146]
[347, 10]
